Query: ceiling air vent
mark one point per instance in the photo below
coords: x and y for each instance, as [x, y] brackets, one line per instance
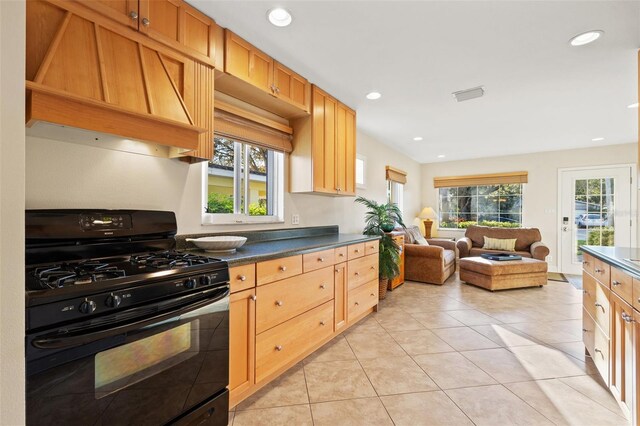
[465, 95]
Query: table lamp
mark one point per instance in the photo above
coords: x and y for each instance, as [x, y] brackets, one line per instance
[427, 214]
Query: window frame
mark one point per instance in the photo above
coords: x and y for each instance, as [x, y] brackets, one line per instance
[394, 196]
[363, 159]
[275, 186]
[439, 205]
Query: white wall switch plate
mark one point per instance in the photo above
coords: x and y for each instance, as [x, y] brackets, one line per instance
[295, 219]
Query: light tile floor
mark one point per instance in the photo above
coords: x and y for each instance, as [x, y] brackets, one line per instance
[447, 355]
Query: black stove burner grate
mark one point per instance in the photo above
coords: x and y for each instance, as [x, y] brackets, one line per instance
[56, 276]
[170, 259]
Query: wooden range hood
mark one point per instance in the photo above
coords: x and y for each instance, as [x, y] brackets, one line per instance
[86, 72]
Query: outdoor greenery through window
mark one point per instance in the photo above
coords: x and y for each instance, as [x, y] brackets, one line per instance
[488, 205]
[594, 206]
[243, 179]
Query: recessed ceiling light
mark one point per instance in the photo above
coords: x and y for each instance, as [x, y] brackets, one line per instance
[279, 17]
[441, 156]
[374, 95]
[597, 139]
[586, 37]
[633, 105]
[417, 138]
[465, 95]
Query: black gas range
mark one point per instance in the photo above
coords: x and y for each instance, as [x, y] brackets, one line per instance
[121, 327]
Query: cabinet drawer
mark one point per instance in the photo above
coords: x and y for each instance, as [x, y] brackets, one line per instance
[600, 354]
[588, 330]
[283, 344]
[599, 269]
[340, 254]
[278, 269]
[242, 277]
[277, 302]
[588, 263]
[362, 299]
[371, 247]
[362, 270]
[595, 299]
[355, 251]
[317, 260]
[622, 285]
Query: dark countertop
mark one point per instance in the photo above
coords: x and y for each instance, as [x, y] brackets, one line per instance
[620, 257]
[266, 245]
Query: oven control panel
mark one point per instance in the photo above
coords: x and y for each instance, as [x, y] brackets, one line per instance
[105, 222]
[111, 301]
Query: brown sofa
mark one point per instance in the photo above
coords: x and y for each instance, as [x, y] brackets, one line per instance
[431, 264]
[528, 241]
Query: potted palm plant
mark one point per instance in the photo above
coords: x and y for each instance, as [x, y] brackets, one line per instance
[379, 220]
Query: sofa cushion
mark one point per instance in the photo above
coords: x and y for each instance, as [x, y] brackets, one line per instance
[506, 244]
[449, 257]
[478, 251]
[524, 236]
[484, 266]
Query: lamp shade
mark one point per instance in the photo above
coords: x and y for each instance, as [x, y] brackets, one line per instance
[427, 213]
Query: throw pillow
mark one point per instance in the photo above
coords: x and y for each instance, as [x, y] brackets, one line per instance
[416, 236]
[505, 244]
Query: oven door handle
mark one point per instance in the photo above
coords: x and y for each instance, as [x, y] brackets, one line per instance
[83, 339]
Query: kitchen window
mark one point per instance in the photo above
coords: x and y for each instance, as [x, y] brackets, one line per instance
[244, 183]
[489, 205]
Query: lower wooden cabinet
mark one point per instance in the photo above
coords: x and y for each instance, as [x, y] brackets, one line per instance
[283, 344]
[622, 348]
[242, 332]
[362, 299]
[340, 296]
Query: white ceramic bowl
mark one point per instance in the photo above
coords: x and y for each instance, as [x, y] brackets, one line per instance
[226, 244]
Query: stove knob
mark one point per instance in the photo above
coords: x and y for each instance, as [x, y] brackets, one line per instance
[190, 283]
[205, 280]
[113, 301]
[87, 307]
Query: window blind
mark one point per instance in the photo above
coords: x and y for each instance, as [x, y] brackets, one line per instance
[486, 179]
[396, 175]
[234, 123]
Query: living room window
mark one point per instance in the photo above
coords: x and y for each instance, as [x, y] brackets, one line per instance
[489, 205]
[244, 183]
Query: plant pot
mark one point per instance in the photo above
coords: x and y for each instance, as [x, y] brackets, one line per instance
[382, 288]
[387, 227]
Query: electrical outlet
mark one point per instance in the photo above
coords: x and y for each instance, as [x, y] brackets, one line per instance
[295, 219]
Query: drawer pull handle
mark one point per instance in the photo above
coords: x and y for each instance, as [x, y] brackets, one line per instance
[615, 283]
[627, 318]
[357, 274]
[283, 268]
[596, 350]
[242, 278]
[278, 347]
[356, 251]
[321, 259]
[373, 267]
[278, 302]
[585, 292]
[599, 305]
[340, 254]
[322, 323]
[253, 297]
[597, 271]
[322, 286]
[584, 330]
[584, 262]
[373, 294]
[337, 270]
[357, 303]
[133, 15]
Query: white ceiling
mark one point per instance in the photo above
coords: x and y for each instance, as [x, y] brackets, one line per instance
[541, 93]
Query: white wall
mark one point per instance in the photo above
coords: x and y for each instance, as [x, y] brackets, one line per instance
[12, 46]
[72, 175]
[541, 193]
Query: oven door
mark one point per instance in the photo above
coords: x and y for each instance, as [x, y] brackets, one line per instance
[132, 368]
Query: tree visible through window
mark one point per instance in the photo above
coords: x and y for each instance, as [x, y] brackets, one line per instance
[489, 205]
[241, 179]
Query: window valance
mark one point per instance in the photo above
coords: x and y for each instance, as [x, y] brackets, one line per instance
[486, 179]
[396, 175]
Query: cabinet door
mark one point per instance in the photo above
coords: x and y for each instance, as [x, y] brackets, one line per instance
[242, 332]
[622, 328]
[197, 32]
[122, 11]
[160, 19]
[244, 61]
[345, 151]
[340, 296]
[291, 87]
[324, 110]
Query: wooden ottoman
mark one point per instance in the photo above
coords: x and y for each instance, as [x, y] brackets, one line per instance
[502, 275]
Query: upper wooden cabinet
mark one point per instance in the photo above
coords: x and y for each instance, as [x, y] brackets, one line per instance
[256, 78]
[82, 72]
[172, 22]
[324, 148]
